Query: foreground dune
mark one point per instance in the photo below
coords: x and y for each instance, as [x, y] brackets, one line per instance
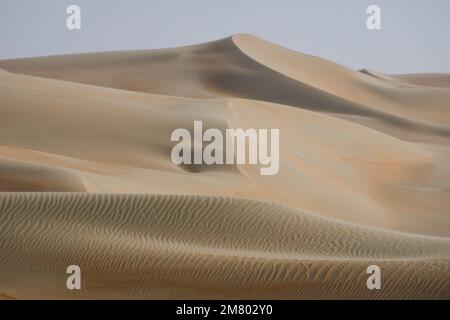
[205, 247]
[87, 178]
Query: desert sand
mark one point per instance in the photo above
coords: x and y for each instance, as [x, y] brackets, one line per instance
[86, 177]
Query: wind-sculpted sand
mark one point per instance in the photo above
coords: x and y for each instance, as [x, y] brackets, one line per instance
[204, 247]
[86, 177]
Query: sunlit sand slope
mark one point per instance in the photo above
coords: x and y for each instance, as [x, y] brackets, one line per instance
[62, 136]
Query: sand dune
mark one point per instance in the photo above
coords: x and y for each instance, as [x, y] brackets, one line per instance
[364, 177]
[247, 67]
[429, 80]
[205, 247]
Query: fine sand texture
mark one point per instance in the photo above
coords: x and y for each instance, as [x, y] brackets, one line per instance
[86, 177]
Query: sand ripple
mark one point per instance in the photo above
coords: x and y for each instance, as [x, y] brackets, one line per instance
[156, 246]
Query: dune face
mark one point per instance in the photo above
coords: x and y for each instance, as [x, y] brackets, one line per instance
[87, 177]
[244, 66]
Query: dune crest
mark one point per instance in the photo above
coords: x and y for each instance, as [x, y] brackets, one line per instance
[245, 66]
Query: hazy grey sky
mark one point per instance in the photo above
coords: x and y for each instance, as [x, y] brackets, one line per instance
[415, 35]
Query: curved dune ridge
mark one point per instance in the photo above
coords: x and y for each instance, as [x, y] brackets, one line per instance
[248, 67]
[86, 177]
[205, 247]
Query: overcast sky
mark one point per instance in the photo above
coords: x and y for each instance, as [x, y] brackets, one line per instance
[415, 35]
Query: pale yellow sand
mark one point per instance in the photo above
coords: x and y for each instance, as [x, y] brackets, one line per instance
[364, 177]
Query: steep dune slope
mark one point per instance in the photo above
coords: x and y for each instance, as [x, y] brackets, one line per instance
[248, 67]
[119, 141]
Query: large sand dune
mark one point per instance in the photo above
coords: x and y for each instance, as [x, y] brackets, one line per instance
[364, 177]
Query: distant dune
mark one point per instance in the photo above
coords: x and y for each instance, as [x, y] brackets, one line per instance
[430, 80]
[86, 177]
